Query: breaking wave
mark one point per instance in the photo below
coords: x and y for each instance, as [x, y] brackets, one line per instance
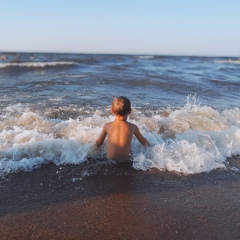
[36, 64]
[190, 140]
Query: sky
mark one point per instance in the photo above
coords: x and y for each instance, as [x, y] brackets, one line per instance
[160, 27]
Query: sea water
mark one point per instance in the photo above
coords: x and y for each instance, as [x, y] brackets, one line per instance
[53, 107]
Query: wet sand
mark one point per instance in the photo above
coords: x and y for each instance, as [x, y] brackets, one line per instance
[88, 201]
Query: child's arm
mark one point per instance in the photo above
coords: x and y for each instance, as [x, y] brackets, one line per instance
[102, 136]
[140, 137]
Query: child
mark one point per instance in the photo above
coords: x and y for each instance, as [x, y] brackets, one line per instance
[120, 132]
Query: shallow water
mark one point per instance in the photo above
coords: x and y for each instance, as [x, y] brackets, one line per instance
[53, 107]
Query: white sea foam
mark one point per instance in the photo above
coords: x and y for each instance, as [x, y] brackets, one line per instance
[36, 64]
[56, 99]
[190, 140]
[145, 57]
[229, 61]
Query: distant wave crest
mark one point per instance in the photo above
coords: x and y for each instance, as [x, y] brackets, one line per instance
[36, 64]
[230, 61]
[145, 57]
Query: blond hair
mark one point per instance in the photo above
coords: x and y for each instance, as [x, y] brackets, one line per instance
[121, 106]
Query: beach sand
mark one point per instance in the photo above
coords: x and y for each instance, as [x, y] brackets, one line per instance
[91, 201]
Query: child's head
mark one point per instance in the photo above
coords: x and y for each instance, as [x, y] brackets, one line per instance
[121, 106]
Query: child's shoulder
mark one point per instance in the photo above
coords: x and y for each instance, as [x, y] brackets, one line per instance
[107, 124]
[132, 125]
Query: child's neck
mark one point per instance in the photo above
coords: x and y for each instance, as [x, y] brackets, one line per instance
[121, 118]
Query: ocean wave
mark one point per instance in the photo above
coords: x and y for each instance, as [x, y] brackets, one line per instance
[229, 61]
[189, 140]
[145, 57]
[36, 64]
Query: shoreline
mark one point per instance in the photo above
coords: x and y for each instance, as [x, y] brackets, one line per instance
[117, 202]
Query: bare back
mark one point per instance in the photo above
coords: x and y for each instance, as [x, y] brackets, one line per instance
[120, 135]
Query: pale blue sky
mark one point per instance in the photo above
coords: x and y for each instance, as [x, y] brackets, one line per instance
[172, 27]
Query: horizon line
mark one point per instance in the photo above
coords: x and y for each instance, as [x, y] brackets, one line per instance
[107, 53]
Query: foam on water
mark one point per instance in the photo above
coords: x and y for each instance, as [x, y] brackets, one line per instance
[229, 61]
[145, 57]
[190, 140]
[36, 64]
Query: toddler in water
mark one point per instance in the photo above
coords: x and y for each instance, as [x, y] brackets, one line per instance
[120, 132]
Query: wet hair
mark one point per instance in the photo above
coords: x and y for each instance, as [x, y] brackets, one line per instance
[121, 106]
